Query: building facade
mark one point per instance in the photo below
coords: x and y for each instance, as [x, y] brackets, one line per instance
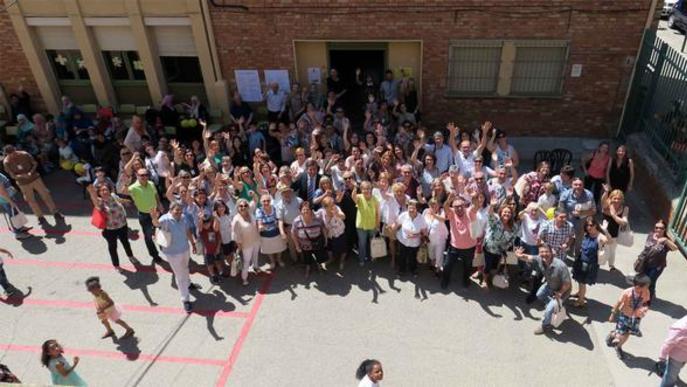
[533, 67]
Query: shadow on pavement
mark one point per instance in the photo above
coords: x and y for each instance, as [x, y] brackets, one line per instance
[16, 299]
[140, 280]
[573, 332]
[668, 308]
[34, 245]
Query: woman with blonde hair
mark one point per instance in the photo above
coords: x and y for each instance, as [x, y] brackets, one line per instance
[324, 190]
[615, 217]
[367, 219]
[247, 238]
[438, 233]
[272, 241]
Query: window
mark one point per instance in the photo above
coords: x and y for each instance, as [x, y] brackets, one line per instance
[68, 65]
[506, 68]
[474, 68]
[538, 70]
[181, 69]
[124, 65]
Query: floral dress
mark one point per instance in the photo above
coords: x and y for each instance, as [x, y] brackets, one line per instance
[498, 239]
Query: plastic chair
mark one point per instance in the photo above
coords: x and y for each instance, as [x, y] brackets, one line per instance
[558, 158]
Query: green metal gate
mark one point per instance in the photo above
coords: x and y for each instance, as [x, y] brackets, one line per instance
[657, 107]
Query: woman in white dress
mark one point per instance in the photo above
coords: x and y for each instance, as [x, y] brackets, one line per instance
[438, 232]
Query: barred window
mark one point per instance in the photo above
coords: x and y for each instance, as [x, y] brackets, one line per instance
[506, 68]
[538, 70]
[474, 68]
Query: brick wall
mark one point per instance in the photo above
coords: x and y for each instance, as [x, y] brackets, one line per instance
[14, 67]
[600, 40]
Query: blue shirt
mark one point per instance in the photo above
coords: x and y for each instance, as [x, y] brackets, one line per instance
[269, 222]
[255, 140]
[569, 200]
[177, 230]
[5, 182]
[444, 155]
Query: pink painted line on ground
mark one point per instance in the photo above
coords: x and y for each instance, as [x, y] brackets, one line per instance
[91, 266]
[245, 330]
[41, 232]
[64, 304]
[118, 355]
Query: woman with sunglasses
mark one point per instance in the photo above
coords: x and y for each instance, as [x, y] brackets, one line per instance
[586, 265]
[116, 225]
[244, 183]
[247, 238]
[309, 236]
[655, 254]
[272, 243]
[615, 215]
[501, 232]
[61, 372]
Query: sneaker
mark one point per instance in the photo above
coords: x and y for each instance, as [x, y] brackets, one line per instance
[188, 307]
[609, 340]
[540, 330]
[21, 236]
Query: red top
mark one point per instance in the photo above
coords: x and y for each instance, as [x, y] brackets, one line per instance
[211, 240]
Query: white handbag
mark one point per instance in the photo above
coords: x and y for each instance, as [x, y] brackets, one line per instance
[18, 219]
[559, 315]
[625, 236]
[377, 247]
[163, 238]
[500, 281]
[234, 270]
[602, 254]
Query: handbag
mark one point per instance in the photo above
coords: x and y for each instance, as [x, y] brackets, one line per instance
[501, 279]
[18, 220]
[602, 254]
[234, 269]
[99, 218]
[640, 263]
[163, 238]
[625, 236]
[423, 254]
[511, 258]
[377, 247]
[559, 314]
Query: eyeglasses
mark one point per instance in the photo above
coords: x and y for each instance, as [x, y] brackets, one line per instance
[348, 178]
[457, 207]
[243, 206]
[478, 161]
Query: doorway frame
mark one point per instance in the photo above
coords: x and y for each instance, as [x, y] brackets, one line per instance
[356, 44]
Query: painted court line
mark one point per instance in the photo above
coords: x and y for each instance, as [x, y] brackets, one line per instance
[118, 355]
[92, 266]
[245, 330]
[63, 304]
[41, 232]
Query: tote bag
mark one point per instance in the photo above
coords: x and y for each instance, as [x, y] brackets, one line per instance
[163, 238]
[625, 236]
[377, 247]
[18, 219]
[559, 315]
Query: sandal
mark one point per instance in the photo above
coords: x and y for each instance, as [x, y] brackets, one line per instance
[107, 334]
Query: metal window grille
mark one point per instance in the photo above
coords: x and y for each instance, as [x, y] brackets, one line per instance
[539, 70]
[474, 68]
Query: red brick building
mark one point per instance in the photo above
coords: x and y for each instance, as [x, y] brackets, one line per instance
[533, 67]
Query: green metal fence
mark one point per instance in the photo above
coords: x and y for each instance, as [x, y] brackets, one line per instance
[658, 103]
[657, 107]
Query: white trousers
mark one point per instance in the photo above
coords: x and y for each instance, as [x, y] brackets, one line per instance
[250, 257]
[182, 275]
[610, 251]
[436, 252]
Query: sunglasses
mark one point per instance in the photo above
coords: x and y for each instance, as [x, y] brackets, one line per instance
[243, 206]
[348, 178]
[659, 228]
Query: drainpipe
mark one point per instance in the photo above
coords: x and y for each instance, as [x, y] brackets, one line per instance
[647, 25]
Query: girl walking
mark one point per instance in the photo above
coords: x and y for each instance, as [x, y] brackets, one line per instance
[106, 309]
[61, 372]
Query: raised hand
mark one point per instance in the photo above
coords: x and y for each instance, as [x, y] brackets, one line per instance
[486, 126]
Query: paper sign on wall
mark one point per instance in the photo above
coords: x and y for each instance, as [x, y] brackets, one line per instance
[248, 85]
[279, 76]
[314, 75]
[403, 72]
[576, 71]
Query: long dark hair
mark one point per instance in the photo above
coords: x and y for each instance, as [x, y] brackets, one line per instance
[45, 356]
[365, 367]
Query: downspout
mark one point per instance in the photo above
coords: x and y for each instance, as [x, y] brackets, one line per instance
[647, 25]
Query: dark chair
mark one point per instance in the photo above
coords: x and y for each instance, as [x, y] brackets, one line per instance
[558, 158]
[539, 156]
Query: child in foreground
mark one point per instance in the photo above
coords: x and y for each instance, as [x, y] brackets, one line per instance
[106, 309]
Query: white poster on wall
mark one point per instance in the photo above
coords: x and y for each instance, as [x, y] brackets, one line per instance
[279, 76]
[314, 75]
[248, 85]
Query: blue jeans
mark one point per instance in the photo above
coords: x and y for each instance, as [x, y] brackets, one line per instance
[653, 273]
[545, 294]
[673, 368]
[364, 237]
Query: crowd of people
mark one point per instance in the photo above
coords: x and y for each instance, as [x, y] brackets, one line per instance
[311, 187]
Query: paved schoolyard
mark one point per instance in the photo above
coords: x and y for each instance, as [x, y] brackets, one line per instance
[283, 331]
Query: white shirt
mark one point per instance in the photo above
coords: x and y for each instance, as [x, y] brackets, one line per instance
[466, 163]
[529, 229]
[436, 229]
[133, 140]
[366, 382]
[225, 229]
[276, 102]
[409, 233]
[334, 225]
[391, 209]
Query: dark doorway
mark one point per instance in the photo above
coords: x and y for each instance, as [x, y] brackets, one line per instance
[346, 62]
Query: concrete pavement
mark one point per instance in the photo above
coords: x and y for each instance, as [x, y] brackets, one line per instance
[298, 333]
